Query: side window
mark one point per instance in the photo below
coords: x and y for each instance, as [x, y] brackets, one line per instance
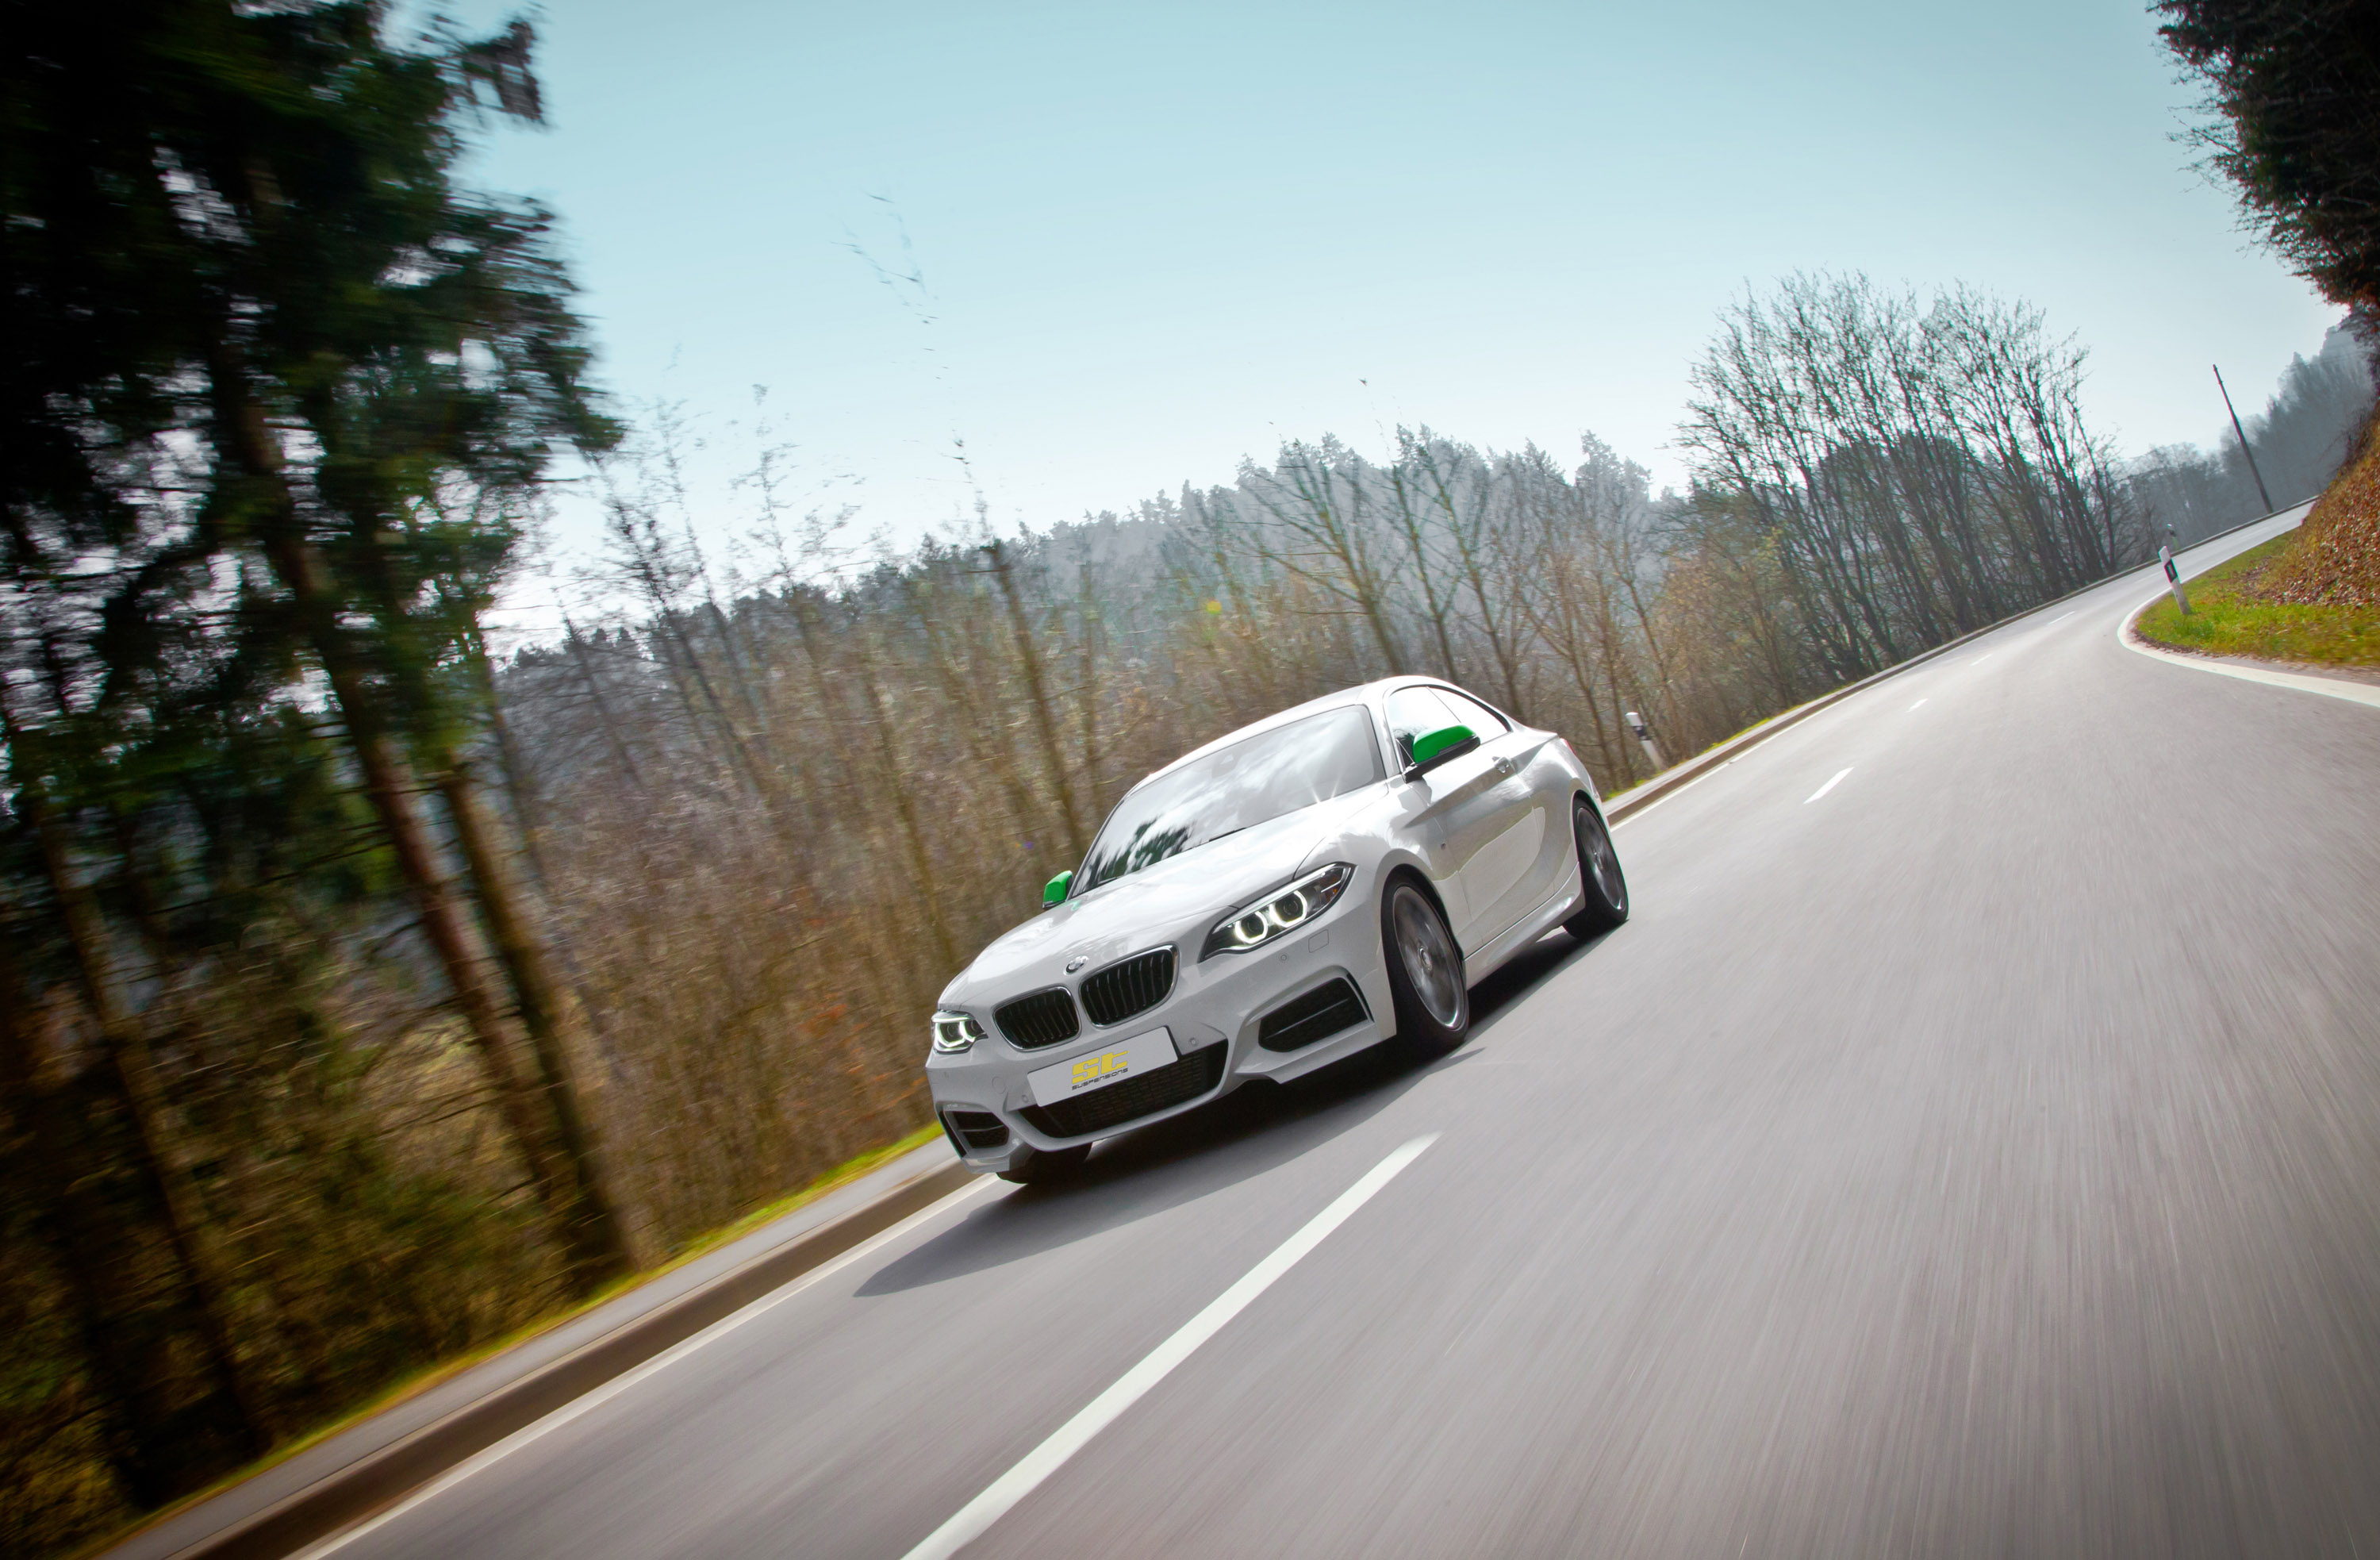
[1412, 711]
[1477, 717]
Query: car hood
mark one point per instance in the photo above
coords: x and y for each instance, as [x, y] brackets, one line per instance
[1175, 901]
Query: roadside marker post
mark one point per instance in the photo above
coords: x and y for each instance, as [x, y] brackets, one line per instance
[1645, 735]
[2173, 579]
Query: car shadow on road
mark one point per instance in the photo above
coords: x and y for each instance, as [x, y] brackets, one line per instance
[1257, 1129]
[1528, 969]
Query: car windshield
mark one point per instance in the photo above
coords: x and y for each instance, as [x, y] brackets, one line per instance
[1234, 788]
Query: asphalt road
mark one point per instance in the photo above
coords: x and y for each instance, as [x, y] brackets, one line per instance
[1980, 1158]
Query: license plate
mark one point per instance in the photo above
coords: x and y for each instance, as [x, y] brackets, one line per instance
[1097, 1069]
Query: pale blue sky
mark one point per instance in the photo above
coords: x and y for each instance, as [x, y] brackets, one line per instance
[1157, 239]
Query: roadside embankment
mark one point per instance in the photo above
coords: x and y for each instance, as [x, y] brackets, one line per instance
[2230, 614]
[2311, 597]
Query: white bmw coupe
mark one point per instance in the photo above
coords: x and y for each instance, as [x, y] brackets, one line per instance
[1336, 876]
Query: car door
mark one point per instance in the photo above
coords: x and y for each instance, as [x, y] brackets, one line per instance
[1475, 825]
[1512, 871]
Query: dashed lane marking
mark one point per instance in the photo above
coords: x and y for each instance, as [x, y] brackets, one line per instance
[980, 1513]
[1828, 787]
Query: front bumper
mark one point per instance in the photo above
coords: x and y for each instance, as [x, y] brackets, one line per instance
[1215, 1014]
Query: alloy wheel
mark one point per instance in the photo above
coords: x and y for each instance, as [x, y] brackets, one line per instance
[1429, 955]
[1594, 845]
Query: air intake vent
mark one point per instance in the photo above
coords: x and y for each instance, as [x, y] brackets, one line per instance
[1319, 1015]
[1043, 1019]
[1143, 1095]
[1137, 985]
[976, 1129]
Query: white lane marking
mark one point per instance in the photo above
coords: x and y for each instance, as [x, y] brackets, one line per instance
[2245, 542]
[980, 1513]
[2061, 617]
[1825, 788]
[2329, 687]
[657, 1363]
[1984, 657]
[1921, 702]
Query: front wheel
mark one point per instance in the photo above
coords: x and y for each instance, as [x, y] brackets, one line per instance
[1048, 1166]
[1426, 981]
[1605, 903]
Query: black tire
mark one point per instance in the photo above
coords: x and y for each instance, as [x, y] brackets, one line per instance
[1433, 1003]
[1044, 1167]
[1606, 902]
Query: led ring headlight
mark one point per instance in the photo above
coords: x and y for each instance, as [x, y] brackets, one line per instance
[1279, 913]
[954, 1032]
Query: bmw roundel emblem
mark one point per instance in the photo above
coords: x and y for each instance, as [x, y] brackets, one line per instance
[1078, 962]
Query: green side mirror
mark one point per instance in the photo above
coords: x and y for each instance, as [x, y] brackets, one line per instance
[1441, 743]
[1055, 891]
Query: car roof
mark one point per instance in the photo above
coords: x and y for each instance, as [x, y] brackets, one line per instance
[1367, 695]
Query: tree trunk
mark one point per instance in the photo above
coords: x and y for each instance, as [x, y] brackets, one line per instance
[126, 1050]
[145, 1431]
[602, 706]
[1045, 719]
[520, 791]
[904, 805]
[538, 1002]
[593, 1242]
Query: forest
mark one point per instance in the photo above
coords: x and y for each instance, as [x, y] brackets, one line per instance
[369, 992]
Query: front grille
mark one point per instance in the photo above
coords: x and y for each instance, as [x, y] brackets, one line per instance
[1319, 1015]
[1134, 1097]
[1043, 1019]
[975, 1129]
[1134, 986]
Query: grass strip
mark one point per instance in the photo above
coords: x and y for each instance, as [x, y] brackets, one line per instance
[2228, 619]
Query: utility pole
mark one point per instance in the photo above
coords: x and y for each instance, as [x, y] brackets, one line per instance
[2243, 441]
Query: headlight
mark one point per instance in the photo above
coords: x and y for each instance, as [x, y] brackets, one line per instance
[953, 1032]
[1279, 913]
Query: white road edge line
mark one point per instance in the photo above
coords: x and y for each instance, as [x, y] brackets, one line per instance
[980, 1513]
[2329, 687]
[1671, 794]
[1825, 788]
[1682, 787]
[621, 1383]
[1921, 702]
[2060, 617]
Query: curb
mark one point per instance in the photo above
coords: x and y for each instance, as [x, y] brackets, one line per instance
[2128, 635]
[381, 1478]
[1679, 776]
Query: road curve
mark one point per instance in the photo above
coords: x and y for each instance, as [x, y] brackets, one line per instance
[1971, 1147]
